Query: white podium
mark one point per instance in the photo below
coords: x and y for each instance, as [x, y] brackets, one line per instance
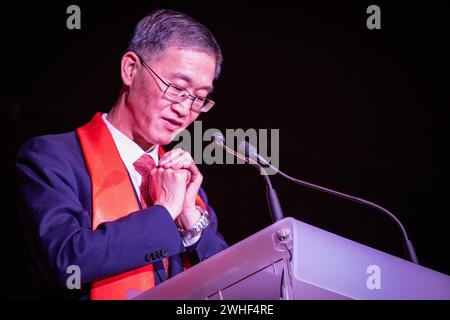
[293, 260]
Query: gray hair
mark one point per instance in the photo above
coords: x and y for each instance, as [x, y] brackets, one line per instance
[164, 28]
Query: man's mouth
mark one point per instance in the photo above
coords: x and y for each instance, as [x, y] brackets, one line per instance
[172, 124]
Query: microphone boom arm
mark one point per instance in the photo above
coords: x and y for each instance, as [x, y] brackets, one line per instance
[408, 246]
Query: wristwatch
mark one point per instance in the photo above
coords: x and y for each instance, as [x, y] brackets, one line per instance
[197, 228]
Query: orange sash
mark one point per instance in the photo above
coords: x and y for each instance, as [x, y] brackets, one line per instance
[113, 197]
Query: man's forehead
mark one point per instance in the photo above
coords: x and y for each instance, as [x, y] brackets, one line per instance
[193, 66]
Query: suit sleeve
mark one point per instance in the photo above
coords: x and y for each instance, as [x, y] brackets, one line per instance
[51, 190]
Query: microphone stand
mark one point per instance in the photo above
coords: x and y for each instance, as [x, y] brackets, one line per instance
[276, 213]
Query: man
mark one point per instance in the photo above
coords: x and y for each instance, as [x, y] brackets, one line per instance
[106, 200]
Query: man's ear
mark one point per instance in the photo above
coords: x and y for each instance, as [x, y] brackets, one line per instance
[129, 64]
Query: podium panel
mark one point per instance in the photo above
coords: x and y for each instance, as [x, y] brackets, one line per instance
[293, 260]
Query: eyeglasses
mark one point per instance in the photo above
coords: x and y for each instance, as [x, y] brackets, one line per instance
[178, 94]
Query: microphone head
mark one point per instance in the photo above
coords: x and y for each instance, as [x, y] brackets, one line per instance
[218, 138]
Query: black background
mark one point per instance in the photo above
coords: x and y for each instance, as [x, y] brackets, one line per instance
[360, 111]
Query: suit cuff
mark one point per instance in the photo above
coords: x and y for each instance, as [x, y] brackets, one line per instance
[165, 237]
[208, 245]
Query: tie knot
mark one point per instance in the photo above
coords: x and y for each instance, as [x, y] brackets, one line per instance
[144, 165]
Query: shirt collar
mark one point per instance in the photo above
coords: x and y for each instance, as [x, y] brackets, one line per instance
[128, 149]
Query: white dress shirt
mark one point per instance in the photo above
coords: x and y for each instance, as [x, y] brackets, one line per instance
[129, 151]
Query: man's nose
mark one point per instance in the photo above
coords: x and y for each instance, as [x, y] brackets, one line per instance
[182, 108]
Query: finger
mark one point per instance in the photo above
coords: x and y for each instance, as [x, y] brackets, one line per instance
[154, 171]
[179, 163]
[172, 154]
[167, 163]
[195, 173]
[186, 174]
[183, 160]
[187, 163]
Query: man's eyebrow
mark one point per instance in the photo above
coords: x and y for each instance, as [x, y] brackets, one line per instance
[182, 76]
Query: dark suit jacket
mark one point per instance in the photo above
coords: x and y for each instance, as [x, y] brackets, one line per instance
[56, 222]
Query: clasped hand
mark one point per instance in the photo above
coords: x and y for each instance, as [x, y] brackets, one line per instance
[175, 184]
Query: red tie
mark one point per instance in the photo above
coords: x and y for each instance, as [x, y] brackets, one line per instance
[144, 165]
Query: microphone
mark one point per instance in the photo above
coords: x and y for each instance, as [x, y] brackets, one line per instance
[276, 213]
[218, 138]
[251, 152]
